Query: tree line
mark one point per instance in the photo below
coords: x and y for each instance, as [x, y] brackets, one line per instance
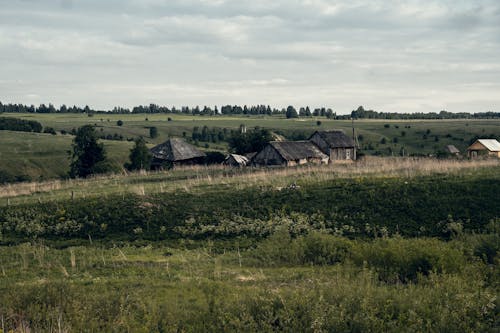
[361, 113]
[289, 112]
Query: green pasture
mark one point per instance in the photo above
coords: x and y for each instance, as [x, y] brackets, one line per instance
[35, 156]
[38, 156]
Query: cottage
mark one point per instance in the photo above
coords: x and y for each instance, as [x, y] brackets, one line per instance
[484, 147]
[335, 144]
[236, 160]
[289, 153]
[175, 152]
[451, 149]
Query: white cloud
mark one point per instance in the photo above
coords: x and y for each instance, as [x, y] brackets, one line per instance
[389, 55]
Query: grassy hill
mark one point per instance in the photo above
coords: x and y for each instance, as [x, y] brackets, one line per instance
[38, 156]
[383, 245]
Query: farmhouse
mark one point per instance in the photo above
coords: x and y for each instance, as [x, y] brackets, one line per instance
[451, 149]
[289, 153]
[484, 147]
[335, 144]
[175, 152]
[236, 160]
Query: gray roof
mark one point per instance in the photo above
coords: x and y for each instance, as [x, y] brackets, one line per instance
[336, 139]
[452, 149]
[240, 159]
[296, 150]
[176, 150]
[490, 144]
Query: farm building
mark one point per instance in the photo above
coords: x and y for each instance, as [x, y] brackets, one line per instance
[337, 145]
[451, 149]
[175, 152]
[236, 160]
[289, 153]
[484, 147]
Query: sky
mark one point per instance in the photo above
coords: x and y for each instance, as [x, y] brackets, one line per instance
[387, 55]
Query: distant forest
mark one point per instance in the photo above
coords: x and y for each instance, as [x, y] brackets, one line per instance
[289, 112]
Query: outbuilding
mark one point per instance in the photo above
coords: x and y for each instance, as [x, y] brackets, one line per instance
[335, 144]
[236, 160]
[484, 147]
[175, 152]
[451, 149]
[289, 153]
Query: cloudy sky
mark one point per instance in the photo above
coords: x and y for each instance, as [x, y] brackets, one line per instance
[397, 56]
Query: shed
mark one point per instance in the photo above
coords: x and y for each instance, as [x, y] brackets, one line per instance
[236, 160]
[289, 153]
[484, 147]
[451, 149]
[335, 144]
[176, 152]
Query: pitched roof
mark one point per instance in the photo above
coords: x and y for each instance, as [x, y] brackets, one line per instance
[176, 150]
[336, 139]
[490, 144]
[240, 159]
[452, 149]
[296, 150]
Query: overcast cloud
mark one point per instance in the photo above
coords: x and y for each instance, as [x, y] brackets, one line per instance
[397, 56]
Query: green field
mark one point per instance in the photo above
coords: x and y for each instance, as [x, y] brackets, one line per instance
[33, 156]
[386, 244]
[38, 156]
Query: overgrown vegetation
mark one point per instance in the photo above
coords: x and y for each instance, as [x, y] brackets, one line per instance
[352, 248]
[310, 283]
[419, 206]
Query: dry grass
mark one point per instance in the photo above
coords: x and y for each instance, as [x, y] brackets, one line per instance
[192, 178]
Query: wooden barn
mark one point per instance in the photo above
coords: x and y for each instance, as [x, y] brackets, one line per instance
[335, 144]
[175, 152]
[484, 147]
[236, 160]
[289, 153]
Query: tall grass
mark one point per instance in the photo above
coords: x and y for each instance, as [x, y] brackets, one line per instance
[193, 177]
[329, 284]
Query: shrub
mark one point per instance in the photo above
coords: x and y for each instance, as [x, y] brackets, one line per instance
[323, 249]
[119, 122]
[403, 260]
[49, 130]
[153, 132]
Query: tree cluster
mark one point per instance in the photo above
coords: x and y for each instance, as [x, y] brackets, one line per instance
[251, 141]
[21, 125]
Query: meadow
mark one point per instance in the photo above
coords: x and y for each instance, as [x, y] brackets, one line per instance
[386, 244]
[32, 156]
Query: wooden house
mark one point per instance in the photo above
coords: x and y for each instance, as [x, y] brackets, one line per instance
[236, 160]
[484, 147]
[335, 144]
[289, 153]
[175, 152]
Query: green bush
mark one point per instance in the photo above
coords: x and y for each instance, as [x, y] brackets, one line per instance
[403, 260]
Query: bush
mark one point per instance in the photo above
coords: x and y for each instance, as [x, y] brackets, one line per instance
[49, 130]
[119, 122]
[153, 132]
[403, 260]
[323, 249]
